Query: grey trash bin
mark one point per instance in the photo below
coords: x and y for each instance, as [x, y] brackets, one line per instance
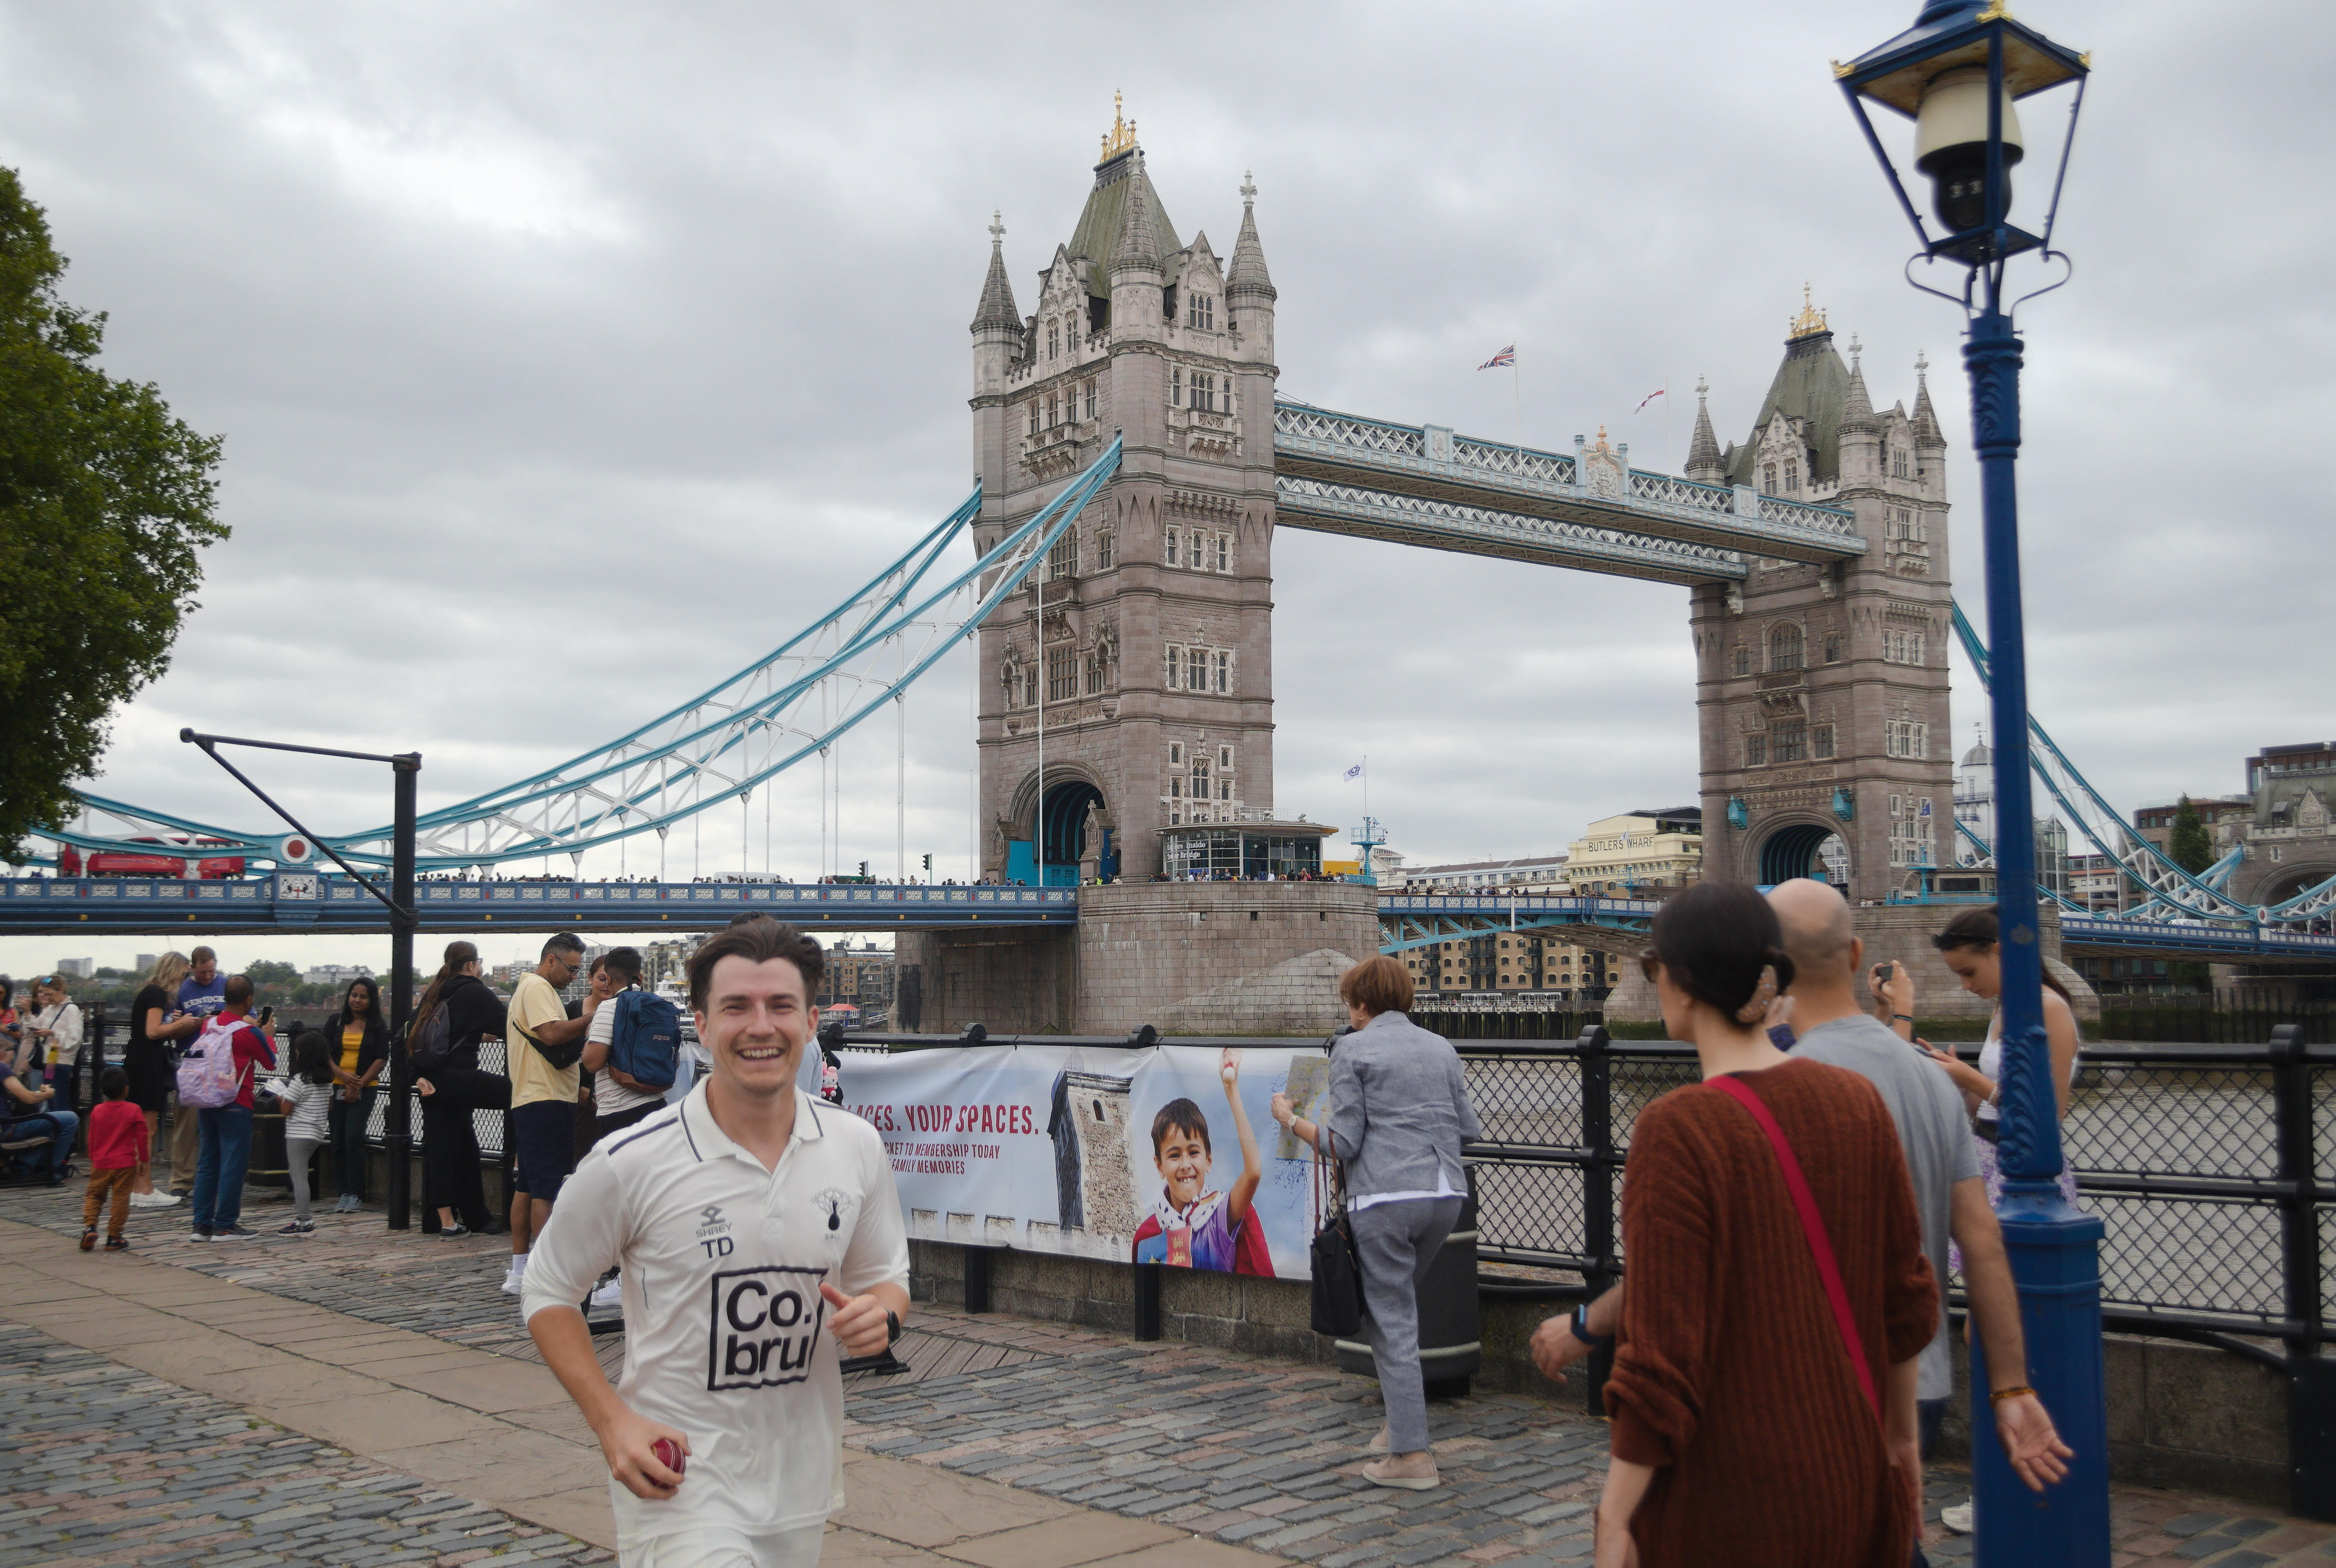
[1451, 1347]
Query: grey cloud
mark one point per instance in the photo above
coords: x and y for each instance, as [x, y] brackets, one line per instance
[570, 355]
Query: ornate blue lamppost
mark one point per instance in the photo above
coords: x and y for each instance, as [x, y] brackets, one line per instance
[1957, 73]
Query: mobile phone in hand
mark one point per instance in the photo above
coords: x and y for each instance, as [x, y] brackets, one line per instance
[267, 1015]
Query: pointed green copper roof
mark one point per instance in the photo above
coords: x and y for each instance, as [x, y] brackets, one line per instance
[1810, 385]
[1098, 225]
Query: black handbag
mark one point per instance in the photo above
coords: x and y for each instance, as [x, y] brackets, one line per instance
[1338, 1279]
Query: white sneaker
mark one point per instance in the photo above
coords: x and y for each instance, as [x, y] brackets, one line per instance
[609, 1298]
[1957, 1518]
[511, 1282]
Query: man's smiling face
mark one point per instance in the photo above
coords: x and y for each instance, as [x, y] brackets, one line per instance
[756, 1018]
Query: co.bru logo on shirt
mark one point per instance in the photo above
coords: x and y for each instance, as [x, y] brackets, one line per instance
[764, 1324]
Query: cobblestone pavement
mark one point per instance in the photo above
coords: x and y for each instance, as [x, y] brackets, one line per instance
[1239, 1448]
[104, 1463]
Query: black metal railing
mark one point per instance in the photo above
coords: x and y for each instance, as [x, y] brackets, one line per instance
[108, 1040]
[2212, 1168]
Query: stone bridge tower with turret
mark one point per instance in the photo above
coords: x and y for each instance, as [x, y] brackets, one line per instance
[1137, 661]
[1822, 690]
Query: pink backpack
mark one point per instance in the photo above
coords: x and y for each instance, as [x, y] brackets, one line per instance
[207, 1077]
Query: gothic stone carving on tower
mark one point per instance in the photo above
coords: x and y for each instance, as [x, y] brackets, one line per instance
[1822, 691]
[1147, 637]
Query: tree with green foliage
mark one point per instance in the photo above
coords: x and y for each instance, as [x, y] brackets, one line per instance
[2187, 844]
[105, 499]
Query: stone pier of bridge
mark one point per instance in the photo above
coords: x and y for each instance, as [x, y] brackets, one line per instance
[1190, 958]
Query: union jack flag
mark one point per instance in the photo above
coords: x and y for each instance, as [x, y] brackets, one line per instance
[1506, 356]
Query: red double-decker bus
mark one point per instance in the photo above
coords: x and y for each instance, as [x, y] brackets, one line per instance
[159, 862]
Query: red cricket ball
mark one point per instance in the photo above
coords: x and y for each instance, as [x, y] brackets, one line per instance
[670, 1456]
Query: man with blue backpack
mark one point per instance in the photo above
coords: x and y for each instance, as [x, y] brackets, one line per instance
[633, 1049]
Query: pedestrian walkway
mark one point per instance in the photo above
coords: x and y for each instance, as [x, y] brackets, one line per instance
[1008, 1443]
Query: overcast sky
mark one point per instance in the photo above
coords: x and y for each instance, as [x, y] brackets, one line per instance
[570, 355]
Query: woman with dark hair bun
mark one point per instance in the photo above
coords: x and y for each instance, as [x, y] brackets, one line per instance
[1762, 1389]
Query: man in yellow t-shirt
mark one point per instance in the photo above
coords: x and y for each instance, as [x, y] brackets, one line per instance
[544, 1044]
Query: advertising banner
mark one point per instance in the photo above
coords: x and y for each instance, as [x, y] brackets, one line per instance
[1164, 1155]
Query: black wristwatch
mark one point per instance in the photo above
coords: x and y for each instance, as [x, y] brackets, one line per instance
[891, 1327]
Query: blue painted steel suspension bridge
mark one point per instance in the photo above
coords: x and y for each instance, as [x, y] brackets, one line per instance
[1418, 485]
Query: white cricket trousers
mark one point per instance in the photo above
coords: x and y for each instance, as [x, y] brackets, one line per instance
[709, 1547]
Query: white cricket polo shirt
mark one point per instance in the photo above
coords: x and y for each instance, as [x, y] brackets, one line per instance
[723, 1319]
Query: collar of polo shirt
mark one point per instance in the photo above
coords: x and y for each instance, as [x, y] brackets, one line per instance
[712, 1142]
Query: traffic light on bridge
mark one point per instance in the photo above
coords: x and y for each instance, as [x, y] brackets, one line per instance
[863, 868]
[928, 864]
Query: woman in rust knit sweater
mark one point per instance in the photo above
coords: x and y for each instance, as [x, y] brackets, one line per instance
[1742, 1430]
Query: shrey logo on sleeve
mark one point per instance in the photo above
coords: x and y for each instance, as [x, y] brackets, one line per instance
[763, 1324]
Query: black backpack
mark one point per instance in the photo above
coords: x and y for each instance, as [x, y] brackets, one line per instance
[428, 1043]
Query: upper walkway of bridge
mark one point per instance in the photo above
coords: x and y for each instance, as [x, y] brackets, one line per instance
[1424, 485]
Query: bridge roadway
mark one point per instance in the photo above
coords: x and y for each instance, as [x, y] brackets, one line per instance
[300, 901]
[303, 901]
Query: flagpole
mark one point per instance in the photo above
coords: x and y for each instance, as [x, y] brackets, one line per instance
[1516, 385]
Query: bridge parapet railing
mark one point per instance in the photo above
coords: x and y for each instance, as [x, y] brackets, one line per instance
[1513, 462]
[2212, 1168]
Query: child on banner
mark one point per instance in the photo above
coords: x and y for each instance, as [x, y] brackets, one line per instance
[1191, 1227]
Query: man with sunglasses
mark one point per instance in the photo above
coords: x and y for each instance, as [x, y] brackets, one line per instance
[543, 1044]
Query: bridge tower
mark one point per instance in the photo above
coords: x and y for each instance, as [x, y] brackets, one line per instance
[1143, 646]
[1822, 690]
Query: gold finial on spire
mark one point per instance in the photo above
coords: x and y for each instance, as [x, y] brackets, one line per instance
[1121, 134]
[1811, 318]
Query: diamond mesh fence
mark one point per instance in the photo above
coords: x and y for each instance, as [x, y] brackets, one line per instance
[486, 1126]
[2143, 1120]
[2205, 1131]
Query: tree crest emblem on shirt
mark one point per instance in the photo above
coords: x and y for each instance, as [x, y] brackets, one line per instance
[830, 1200]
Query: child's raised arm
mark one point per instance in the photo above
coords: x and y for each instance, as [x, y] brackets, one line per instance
[1244, 1187]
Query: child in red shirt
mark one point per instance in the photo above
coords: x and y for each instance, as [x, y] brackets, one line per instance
[117, 1139]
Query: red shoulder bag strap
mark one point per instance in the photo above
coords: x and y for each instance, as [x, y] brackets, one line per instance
[1813, 1227]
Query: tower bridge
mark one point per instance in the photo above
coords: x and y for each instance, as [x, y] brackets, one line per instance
[1134, 463]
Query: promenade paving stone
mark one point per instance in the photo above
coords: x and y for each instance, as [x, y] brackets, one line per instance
[1249, 1455]
[84, 1482]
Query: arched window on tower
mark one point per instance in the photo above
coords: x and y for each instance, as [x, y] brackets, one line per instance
[1168, 550]
[1053, 337]
[1106, 543]
[1768, 477]
[1175, 386]
[1090, 390]
[1784, 647]
[1792, 478]
[1743, 660]
[1034, 416]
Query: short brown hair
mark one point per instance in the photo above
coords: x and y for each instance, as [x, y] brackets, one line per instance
[1377, 984]
[758, 940]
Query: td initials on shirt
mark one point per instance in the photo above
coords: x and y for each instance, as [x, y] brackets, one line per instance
[762, 1325]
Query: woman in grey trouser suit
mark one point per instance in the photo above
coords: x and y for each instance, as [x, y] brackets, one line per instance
[1398, 1114]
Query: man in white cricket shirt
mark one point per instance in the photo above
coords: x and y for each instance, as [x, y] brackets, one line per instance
[760, 1238]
